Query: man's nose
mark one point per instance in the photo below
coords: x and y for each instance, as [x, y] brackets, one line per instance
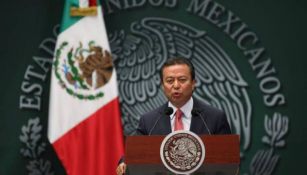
[176, 84]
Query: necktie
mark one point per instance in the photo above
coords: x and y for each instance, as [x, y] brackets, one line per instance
[178, 120]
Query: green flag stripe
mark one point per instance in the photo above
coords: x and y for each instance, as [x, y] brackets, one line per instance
[68, 20]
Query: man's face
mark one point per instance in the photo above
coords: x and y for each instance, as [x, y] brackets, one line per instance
[177, 84]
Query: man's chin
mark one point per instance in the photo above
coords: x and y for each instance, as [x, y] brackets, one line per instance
[177, 103]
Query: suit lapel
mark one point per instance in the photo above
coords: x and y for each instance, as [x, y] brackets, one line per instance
[197, 125]
[165, 124]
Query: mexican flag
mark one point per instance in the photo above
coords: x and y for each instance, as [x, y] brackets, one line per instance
[84, 115]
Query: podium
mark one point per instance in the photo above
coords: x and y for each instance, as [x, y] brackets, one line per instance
[222, 155]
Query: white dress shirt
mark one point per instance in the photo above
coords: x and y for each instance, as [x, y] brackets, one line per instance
[186, 117]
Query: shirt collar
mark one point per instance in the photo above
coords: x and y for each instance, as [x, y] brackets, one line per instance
[186, 108]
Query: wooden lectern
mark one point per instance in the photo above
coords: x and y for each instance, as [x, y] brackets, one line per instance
[222, 155]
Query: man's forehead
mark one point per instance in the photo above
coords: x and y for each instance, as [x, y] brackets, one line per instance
[177, 76]
[176, 71]
[181, 67]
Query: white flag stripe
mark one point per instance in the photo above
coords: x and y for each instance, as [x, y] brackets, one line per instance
[83, 3]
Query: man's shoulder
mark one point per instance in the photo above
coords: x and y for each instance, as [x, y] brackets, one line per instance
[204, 107]
[157, 111]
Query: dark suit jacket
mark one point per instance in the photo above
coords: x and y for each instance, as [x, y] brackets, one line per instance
[214, 118]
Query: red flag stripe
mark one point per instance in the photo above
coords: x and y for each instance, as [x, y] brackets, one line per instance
[92, 3]
[93, 143]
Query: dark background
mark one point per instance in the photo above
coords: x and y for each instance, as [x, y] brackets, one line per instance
[281, 26]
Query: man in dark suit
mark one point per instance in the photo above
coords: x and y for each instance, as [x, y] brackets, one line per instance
[215, 121]
[182, 111]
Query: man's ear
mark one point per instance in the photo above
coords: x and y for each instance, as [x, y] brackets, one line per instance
[162, 85]
[193, 84]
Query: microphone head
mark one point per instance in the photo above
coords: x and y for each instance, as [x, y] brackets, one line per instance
[168, 111]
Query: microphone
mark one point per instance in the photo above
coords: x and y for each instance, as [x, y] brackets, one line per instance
[197, 112]
[167, 111]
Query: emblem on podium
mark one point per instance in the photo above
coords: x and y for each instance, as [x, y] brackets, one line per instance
[182, 152]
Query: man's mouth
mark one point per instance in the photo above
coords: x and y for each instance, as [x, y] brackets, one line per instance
[176, 94]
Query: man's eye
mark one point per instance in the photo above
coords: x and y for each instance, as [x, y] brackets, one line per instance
[169, 81]
[182, 80]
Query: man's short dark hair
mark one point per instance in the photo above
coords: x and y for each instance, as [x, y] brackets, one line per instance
[178, 61]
